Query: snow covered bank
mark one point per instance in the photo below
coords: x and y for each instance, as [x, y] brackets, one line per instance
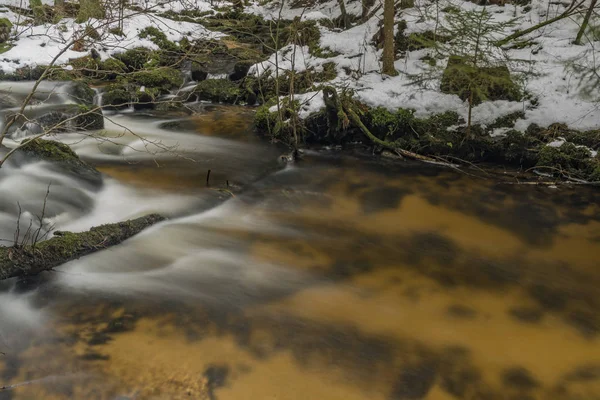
[553, 93]
[38, 45]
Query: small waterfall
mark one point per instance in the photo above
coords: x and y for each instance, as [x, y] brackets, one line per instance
[98, 97]
[27, 129]
[217, 76]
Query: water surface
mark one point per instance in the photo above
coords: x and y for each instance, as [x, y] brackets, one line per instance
[337, 277]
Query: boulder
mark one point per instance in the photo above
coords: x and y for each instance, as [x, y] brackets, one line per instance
[491, 83]
[61, 155]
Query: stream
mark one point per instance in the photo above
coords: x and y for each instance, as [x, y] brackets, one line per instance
[341, 276]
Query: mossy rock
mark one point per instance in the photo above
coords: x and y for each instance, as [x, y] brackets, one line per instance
[493, 83]
[89, 118]
[162, 78]
[135, 59]
[144, 100]
[82, 93]
[112, 68]
[198, 72]
[86, 66]
[218, 91]
[62, 155]
[116, 98]
[240, 70]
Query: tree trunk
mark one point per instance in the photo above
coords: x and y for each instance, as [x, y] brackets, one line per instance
[585, 22]
[67, 246]
[388, 39]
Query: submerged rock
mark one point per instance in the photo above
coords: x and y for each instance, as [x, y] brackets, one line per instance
[68, 119]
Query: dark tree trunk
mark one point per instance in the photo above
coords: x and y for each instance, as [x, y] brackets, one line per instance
[388, 39]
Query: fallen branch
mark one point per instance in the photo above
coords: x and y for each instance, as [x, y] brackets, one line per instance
[571, 9]
[67, 246]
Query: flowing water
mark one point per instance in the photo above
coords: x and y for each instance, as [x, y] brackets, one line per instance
[337, 277]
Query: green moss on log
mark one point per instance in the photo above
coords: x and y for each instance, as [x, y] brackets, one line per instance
[66, 246]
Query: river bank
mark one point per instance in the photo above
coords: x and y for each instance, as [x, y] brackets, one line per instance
[232, 57]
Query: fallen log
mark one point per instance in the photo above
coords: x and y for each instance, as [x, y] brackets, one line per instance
[66, 246]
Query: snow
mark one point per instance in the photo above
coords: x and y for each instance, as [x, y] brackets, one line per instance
[557, 95]
[38, 45]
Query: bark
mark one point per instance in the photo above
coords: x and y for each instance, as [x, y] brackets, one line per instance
[585, 22]
[388, 39]
[66, 246]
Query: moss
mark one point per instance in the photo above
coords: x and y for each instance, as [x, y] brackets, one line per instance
[191, 15]
[112, 68]
[4, 47]
[218, 90]
[88, 119]
[162, 78]
[265, 87]
[116, 97]
[507, 121]
[567, 157]
[82, 93]
[134, 59]
[39, 15]
[383, 123]
[89, 9]
[158, 37]
[85, 66]
[493, 83]
[5, 23]
[264, 120]
[145, 100]
[50, 151]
